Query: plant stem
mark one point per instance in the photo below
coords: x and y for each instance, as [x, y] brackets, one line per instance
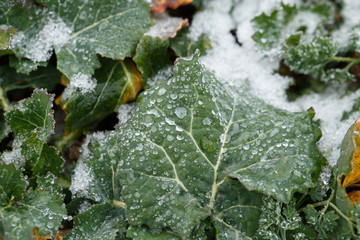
[345, 59]
[63, 141]
[119, 204]
[342, 214]
[4, 101]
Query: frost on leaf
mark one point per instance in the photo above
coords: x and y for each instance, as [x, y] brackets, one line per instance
[193, 148]
[110, 28]
[25, 210]
[32, 122]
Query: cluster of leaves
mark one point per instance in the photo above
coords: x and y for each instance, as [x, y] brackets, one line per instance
[195, 160]
[303, 35]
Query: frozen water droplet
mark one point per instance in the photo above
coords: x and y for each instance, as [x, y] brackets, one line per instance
[162, 91]
[206, 121]
[207, 144]
[180, 112]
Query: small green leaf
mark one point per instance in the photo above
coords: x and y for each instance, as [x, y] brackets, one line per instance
[32, 122]
[32, 115]
[117, 82]
[98, 223]
[355, 109]
[44, 77]
[184, 46]
[5, 35]
[151, 56]
[24, 65]
[311, 58]
[323, 222]
[142, 233]
[39, 209]
[12, 184]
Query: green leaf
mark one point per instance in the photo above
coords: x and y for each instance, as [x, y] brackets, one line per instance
[278, 220]
[32, 122]
[12, 184]
[117, 82]
[32, 115]
[142, 233]
[31, 39]
[121, 24]
[170, 181]
[273, 30]
[24, 65]
[323, 222]
[44, 77]
[355, 109]
[184, 46]
[38, 210]
[270, 27]
[151, 56]
[102, 222]
[311, 58]
[5, 35]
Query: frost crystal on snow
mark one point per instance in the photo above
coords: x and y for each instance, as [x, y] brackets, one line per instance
[81, 180]
[124, 112]
[39, 47]
[15, 156]
[79, 82]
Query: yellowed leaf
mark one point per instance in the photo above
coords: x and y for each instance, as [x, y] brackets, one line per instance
[354, 196]
[354, 176]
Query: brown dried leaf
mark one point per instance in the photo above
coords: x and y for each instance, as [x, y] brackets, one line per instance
[166, 26]
[161, 5]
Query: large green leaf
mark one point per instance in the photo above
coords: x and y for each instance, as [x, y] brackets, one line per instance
[32, 122]
[197, 136]
[111, 28]
[117, 82]
[37, 210]
[189, 137]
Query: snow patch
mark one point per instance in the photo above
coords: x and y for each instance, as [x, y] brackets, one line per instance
[79, 82]
[124, 113]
